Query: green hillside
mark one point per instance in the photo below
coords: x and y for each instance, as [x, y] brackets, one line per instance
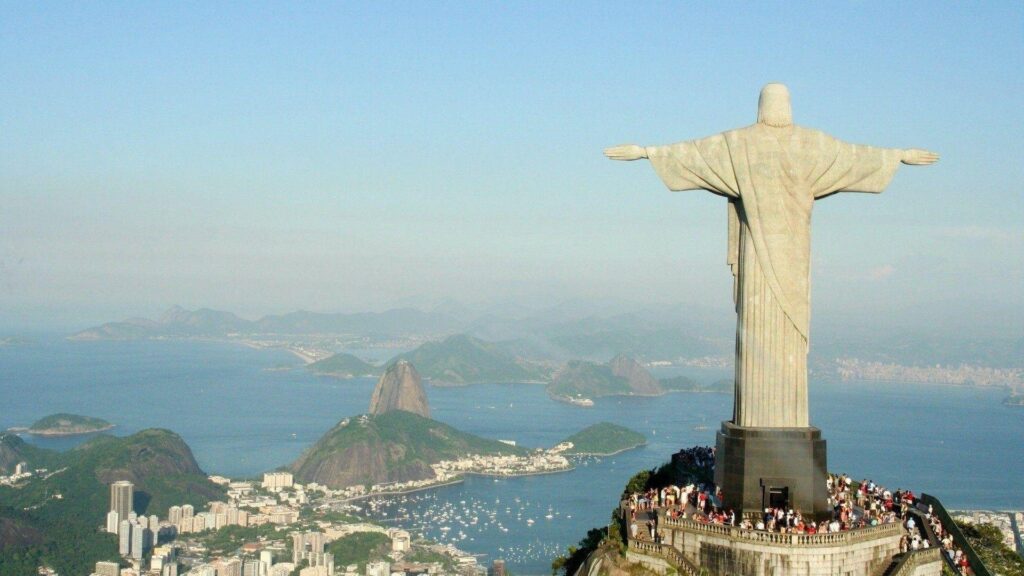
[463, 359]
[64, 424]
[14, 450]
[56, 518]
[604, 439]
[343, 365]
[395, 446]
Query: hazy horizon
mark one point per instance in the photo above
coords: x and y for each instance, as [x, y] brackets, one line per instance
[267, 158]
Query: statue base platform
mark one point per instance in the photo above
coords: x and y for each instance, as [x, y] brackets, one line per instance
[758, 468]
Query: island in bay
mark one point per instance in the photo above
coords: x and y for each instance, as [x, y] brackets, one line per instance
[603, 439]
[64, 424]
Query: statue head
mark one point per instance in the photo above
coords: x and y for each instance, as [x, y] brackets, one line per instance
[773, 108]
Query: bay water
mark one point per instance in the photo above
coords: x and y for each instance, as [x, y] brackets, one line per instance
[242, 414]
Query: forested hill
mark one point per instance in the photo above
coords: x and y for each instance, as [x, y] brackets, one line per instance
[53, 516]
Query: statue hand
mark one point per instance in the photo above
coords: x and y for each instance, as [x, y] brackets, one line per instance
[626, 152]
[918, 157]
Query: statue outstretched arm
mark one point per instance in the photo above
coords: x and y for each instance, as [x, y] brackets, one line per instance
[919, 157]
[693, 165]
[859, 168]
[626, 152]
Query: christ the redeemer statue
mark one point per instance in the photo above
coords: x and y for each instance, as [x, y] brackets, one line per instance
[771, 173]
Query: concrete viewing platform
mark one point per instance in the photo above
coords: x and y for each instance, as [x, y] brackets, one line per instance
[694, 547]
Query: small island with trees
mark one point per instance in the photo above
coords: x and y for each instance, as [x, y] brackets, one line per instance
[68, 425]
[604, 439]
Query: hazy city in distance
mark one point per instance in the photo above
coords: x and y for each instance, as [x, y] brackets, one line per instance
[338, 289]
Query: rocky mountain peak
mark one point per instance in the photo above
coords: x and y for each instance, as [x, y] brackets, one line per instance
[400, 388]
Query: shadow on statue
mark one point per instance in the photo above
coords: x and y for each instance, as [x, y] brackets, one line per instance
[758, 468]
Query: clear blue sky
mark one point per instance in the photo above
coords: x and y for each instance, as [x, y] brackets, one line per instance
[263, 158]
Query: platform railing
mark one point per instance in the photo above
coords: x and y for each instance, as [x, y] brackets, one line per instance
[786, 539]
[961, 541]
[673, 556]
[908, 563]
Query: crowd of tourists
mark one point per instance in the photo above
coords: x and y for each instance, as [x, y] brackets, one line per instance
[876, 504]
[854, 505]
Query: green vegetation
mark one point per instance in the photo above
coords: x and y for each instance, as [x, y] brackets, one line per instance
[987, 541]
[343, 365]
[669, 473]
[359, 548]
[27, 541]
[604, 439]
[230, 538]
[14, 450]
[419, 555]
[392, 447]
[606, 541]
[463, 359]
[53, 519]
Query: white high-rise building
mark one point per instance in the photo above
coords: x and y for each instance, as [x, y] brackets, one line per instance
[139, 541]
[174, 515]
[277, 480]
[124, 537]
[267, 562]
[113, 520]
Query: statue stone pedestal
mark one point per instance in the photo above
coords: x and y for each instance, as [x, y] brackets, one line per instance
[758, 468]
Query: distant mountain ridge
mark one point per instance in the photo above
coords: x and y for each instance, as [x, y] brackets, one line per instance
[621, 376]
[568, 331]
[179, 322]
[463, 359]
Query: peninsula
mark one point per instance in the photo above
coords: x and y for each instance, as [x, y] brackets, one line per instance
[68, 425]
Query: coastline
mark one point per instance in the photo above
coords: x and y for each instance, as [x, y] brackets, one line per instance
[457, 480]
[61, 433]
[519, 474]
[452, 482]
[600, 455]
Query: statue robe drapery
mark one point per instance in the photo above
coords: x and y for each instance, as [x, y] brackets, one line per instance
[772, 176]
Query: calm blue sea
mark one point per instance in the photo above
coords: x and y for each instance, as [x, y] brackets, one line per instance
[241, 418]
